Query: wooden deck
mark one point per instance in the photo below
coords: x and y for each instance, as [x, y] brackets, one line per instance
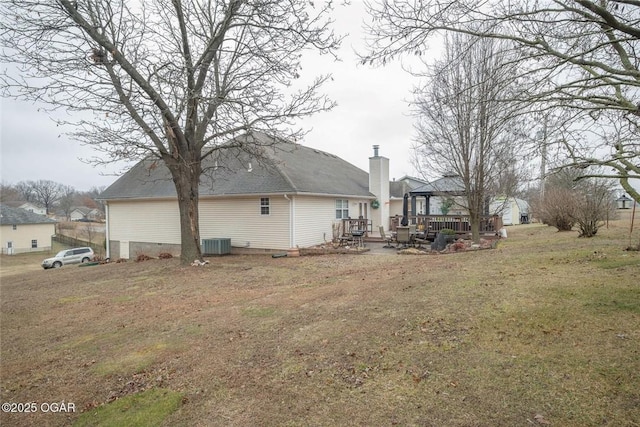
[461, 224]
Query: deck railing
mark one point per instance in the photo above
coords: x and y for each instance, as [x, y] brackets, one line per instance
[461, 224]
[359, 224]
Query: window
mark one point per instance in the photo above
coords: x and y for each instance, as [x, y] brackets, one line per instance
[34, 244]
[342, 209]
[264, 206]
[15, 227]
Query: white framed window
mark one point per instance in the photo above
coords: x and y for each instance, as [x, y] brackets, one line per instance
[34, 244]
[265, 208]
[342, 208]
[15, 227]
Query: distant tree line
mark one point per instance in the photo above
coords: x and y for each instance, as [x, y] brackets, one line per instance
[51, 195]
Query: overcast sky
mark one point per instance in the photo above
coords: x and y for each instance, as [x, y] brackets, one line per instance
[372, 109]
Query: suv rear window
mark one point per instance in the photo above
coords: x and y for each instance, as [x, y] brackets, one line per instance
[80, 251]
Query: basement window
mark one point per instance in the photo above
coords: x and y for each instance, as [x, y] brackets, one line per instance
[34, 244]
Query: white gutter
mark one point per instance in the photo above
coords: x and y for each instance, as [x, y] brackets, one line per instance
[292, 216]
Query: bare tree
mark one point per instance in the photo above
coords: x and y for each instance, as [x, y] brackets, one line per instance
[8, 192]
[67, 197]
[43, 192]
[170, 79]
[94, 194]
[465, 124]
[25, 190]
[90, 231]
[581, 54]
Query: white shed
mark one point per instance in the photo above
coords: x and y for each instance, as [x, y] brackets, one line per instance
[513, 210]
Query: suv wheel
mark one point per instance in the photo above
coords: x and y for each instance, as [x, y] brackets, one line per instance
[57, 264]
[85, 259]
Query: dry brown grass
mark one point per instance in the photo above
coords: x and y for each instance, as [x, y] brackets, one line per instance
[546, 328]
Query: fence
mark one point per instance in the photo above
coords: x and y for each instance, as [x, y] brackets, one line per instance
[72, 241]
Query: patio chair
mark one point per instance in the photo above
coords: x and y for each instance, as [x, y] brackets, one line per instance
[403, 236]
[387, 237]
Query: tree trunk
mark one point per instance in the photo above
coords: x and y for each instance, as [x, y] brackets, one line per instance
[186, 178]
[474, 219]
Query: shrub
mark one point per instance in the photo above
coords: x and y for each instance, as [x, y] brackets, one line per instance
[595, 205]
[557, 208]
[586, 202]
[165, 255]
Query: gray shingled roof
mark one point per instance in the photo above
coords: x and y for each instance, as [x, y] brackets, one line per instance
[398, 188]
[284, 167]
[446, 184]
[11, 216]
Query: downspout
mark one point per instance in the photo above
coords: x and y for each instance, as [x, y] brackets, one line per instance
[106, 229]
[292, 226]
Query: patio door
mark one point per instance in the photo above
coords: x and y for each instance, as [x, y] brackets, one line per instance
[363, 210]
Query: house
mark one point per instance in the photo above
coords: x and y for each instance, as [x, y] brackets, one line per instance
[24, 231]
[289, 196]
[27, 206]
[30, 207]
[83, 213]
[397, 190]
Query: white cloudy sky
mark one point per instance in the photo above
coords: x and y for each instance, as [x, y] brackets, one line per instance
[372, 109]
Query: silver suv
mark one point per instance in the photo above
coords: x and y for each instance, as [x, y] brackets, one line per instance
[69, 256]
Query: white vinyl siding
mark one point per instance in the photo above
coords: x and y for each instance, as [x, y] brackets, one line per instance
[23, 236]
[145, 221]
[240, 219]
[314, 218]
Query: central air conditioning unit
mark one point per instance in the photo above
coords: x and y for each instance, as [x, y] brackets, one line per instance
[216, 246]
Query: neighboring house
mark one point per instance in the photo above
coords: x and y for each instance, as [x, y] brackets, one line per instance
[79, 213]
[24, 231]
[30, 207]
[83, 213]
[514, 211]
[397, 190]
[27, 206]
[292, 197]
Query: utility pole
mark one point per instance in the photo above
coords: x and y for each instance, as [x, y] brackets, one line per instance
[542, 135]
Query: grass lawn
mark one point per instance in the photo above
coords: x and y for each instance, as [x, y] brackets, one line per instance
[543, 330]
